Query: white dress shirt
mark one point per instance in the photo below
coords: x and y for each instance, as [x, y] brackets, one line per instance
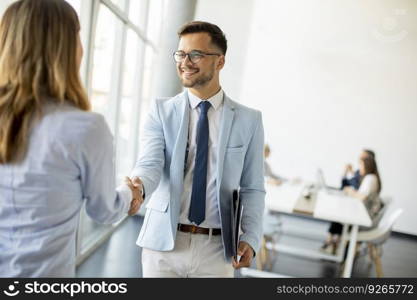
[212, 219]
[69, 162]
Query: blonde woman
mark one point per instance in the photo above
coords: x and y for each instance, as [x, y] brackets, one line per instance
[54, 154]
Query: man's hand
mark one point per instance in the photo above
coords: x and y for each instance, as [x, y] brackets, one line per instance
[246, 253]
[137, 182]
[137, 198]
[274, 181]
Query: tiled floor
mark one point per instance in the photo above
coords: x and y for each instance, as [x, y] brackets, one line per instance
[120, 257]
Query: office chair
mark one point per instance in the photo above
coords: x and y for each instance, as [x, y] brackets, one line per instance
[377, 236]
[272, 232]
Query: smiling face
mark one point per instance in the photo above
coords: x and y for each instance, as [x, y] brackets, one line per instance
[206, 70]
[363, 155]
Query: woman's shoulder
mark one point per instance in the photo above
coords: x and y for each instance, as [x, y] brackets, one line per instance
[370, 177]
[72, 122]
[70, 115]
[370, 180]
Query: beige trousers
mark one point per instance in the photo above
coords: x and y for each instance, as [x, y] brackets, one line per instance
[194, 255]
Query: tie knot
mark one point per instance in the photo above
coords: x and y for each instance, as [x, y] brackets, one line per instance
[204, 106]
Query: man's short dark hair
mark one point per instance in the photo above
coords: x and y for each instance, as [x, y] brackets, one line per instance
[217, 36]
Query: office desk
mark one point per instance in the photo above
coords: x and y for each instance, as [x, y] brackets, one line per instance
[329, 205]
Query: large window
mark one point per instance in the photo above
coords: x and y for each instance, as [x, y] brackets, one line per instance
[120, 38]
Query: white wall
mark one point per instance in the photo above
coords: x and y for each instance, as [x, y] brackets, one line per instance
[234, 17]
[333, 77]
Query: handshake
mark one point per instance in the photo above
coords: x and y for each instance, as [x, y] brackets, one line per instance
[136, 186]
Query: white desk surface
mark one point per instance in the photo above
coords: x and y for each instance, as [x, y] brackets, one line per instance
[331, 207]
[282, 198]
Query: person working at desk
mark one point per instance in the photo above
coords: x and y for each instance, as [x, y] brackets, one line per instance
[355, 178]
[271, 177]
[368, 192]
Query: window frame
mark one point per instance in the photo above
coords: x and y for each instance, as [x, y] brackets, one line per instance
[89, 12]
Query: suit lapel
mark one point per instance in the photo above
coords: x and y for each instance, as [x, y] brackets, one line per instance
[225, 129]
[182, 112]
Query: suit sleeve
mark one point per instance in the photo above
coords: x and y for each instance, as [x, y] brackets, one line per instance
[151, 158]
[252, 189]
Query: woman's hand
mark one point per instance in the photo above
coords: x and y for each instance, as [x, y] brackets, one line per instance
[348, 170]
[348, 190]
[137, 198]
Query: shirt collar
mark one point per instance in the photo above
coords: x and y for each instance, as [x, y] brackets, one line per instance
[215, 100]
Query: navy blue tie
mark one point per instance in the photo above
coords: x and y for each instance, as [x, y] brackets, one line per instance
[198, 194]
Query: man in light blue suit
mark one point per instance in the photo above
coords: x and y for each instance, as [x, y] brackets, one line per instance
[197, 147]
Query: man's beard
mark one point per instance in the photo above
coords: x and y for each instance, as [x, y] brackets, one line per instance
[199, 81]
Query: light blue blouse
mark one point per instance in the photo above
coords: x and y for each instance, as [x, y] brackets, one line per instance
[69, 160]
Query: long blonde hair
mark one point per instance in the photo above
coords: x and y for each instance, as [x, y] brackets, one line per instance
[38, 61]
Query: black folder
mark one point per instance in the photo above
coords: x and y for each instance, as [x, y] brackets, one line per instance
[236, 217]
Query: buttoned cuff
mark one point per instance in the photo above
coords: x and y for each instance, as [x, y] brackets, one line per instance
[125, 194]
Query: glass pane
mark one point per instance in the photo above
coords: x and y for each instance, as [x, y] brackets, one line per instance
[106, 49]
[147, 72]
[137, 12]
[127, 125]
[146, 83]
[155, 18]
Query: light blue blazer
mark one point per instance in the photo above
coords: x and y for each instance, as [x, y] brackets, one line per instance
[161, 165]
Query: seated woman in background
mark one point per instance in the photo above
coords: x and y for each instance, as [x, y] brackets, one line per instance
[351, 178]
[368, 192]
[54, 154]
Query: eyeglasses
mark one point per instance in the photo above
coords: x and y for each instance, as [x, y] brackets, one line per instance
[193, 56]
